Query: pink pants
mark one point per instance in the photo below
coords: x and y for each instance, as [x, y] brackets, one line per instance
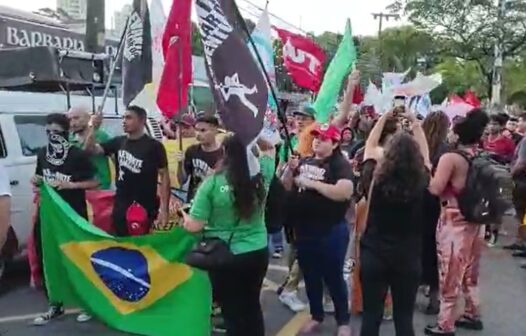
[459, 246]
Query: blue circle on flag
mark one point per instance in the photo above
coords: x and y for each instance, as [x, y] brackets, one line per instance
[123, 271]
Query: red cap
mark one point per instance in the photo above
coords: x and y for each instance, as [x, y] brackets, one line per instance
[187, 120]
[327, 132]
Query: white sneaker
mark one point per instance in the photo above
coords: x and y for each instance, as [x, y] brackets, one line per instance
[328, 306]
[84, 317]
[54, 312]
[291, 300]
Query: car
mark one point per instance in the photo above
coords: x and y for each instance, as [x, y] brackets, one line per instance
[22, 133]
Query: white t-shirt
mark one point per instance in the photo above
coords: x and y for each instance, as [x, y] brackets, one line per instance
[5, 187]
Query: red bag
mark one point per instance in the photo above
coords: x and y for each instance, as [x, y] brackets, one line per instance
[137, 220]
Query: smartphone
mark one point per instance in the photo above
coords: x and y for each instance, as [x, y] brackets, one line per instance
[399, 101]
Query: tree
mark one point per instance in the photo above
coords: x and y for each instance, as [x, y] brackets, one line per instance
[197, 46]
[470, 29]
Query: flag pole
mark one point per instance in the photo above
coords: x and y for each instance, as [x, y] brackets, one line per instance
[112, 69]
[180, 98]
[281, 114]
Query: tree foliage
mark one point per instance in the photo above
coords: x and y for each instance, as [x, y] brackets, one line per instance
[470, 29]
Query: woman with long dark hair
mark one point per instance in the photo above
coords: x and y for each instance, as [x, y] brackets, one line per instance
[230, 205]
[390, 254]
[435, 126]
[459, 242]
[321, 188]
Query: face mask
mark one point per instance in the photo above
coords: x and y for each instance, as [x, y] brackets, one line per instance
[58, 147]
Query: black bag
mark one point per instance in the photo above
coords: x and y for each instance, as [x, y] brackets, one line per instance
[484, 199]
[210, 254]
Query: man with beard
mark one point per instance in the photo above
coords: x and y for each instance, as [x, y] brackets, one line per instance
[200, 159]
[79, 118]
[140, 162]
[69, 171]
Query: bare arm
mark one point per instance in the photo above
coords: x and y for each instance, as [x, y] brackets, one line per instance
[421, 140]
[443, 174]
[373, 141]
[287, 178]
[164, 176]
[192, 225]
[345, 107]
[5, 214]
[90, 145]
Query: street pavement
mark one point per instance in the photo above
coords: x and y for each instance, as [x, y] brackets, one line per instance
[503, 293]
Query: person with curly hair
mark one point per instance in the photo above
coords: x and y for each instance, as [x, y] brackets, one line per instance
[459, 242]
[390, 253]
[435, 126]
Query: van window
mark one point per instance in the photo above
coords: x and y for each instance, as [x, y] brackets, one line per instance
[32, 132]
[3, 148]
[113, 126]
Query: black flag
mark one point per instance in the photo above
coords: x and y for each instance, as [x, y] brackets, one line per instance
[137, 52]
[238, 85]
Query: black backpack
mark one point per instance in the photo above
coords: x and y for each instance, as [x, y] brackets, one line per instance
[484, 199]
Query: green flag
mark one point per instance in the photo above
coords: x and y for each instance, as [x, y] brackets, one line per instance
[134, 284]
[339, 68]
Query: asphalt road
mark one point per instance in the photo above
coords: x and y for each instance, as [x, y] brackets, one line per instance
[503, 292]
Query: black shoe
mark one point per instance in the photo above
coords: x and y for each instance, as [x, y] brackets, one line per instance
[432, 309]
[515, 247]
[54, 312]
[521, 254]
[437, 331]
[469, 323]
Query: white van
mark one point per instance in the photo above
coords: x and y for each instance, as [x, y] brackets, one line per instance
[22, 133]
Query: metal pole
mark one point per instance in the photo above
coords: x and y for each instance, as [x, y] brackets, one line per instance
[497, 64]
[112, 70]
[180, 98]
[281, 113]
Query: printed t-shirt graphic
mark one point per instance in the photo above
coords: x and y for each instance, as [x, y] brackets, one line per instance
[199, 164]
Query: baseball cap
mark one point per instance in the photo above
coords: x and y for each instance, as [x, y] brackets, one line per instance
[327, 131]
[306, 110]
[187, 120]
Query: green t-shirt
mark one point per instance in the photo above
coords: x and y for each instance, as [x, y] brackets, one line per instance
[214, 204]
[100, 162]
[284, 148]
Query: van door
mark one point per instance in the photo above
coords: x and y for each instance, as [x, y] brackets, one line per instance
[25, 134]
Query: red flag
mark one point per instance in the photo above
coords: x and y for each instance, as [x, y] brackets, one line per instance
[455, 99]
[303, 59]
[358, 96]
[177, 50]
[471, 99]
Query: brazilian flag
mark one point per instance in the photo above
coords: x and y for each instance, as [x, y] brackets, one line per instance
[135, 284]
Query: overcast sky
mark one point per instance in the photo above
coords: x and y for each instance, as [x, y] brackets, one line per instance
[309, 15]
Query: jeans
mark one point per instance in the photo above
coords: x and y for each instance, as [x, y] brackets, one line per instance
[400, 274]
[321, 258]
[276, 242]
[237, 290]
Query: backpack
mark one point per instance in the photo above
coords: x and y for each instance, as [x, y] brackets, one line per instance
[484, 199]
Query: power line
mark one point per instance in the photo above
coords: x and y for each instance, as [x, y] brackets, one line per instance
[257, 9]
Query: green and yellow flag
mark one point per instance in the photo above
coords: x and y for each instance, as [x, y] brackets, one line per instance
[134, 284]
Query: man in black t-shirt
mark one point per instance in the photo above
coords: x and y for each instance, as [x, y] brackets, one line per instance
[201, 159]
[69, 171]
[140, 162]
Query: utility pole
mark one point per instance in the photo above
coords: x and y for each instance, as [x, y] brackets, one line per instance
[95, 26]
[380, 17]
[496, 89]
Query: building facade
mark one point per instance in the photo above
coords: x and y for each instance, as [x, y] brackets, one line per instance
[76, 9]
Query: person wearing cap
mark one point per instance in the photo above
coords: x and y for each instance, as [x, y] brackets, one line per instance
[321, 188]
[302, 143]
[200, 160]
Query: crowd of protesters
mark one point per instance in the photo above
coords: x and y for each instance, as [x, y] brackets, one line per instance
[374, 195]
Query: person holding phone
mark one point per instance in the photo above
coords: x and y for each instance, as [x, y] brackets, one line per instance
[390, 249]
